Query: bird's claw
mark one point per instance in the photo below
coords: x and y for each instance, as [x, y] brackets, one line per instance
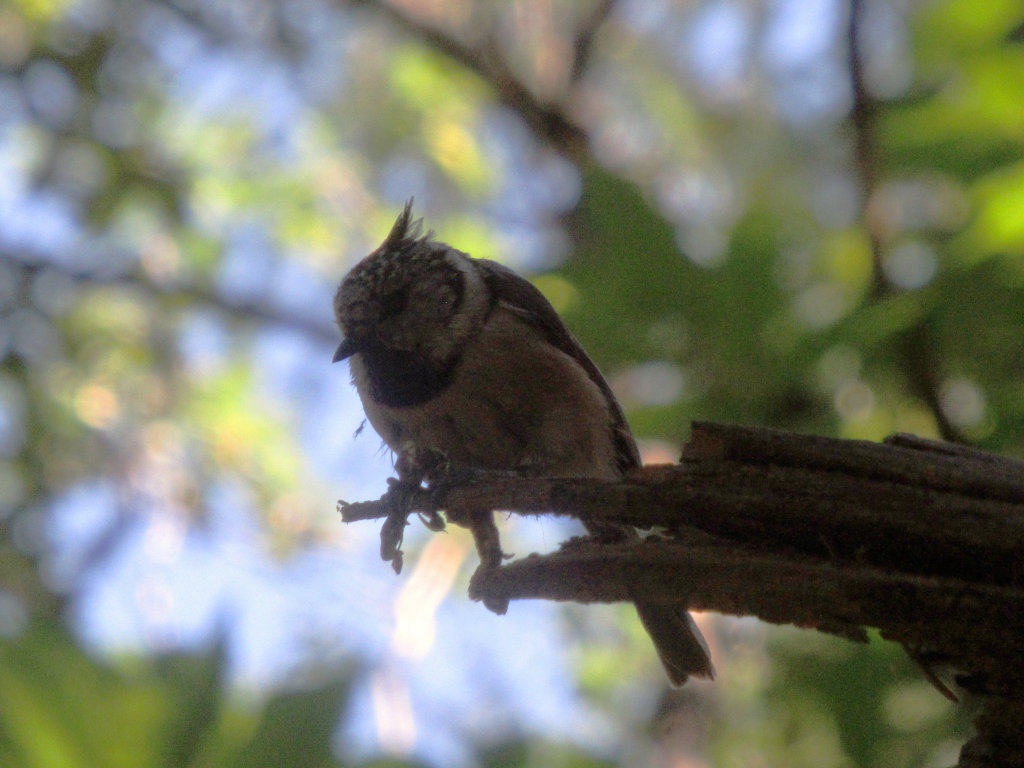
[432, 520]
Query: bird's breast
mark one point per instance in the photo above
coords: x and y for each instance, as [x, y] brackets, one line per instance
[401, 379]
[513, 401]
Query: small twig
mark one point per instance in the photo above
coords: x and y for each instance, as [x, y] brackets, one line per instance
[585, 36]
[930, 675]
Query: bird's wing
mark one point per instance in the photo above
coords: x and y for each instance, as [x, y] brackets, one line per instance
[522, 298]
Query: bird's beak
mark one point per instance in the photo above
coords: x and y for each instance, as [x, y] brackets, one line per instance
[345, 349]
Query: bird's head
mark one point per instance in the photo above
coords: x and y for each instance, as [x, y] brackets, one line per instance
[413, 296]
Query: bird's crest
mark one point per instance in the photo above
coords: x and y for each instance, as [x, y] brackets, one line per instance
[405, 232]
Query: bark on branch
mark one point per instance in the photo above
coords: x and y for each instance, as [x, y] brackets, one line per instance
[920, 539]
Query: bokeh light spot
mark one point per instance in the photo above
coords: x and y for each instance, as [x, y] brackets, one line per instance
[97, 405]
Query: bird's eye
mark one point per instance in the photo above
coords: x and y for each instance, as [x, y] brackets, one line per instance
[392, 304]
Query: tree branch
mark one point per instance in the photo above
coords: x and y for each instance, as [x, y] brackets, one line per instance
[920, 539]
[177, 292]
[549, 121]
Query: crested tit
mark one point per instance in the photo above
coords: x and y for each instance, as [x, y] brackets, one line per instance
[462, 358]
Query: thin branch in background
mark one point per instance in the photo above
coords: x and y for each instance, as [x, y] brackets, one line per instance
[549, 121]
[862, 118]
[916, 346]
[189, 294]
[584, 43]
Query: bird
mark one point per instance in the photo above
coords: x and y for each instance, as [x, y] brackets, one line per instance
[462, 358]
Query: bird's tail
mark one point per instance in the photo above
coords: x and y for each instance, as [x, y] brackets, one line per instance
[680, 645]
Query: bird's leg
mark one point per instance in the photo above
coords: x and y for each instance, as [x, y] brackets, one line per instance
[479, 521]
[413, 467]
[397, 501]
[488, 545]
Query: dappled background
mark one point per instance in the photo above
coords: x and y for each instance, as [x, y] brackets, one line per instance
[800, 214]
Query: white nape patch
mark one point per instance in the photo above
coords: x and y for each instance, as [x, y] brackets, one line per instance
[476, 297]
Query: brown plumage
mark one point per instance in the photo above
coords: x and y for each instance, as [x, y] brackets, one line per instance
[464, 358]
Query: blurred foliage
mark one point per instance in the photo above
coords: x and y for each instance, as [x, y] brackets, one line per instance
[738, 224]
[847, 704]
[63, 708]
